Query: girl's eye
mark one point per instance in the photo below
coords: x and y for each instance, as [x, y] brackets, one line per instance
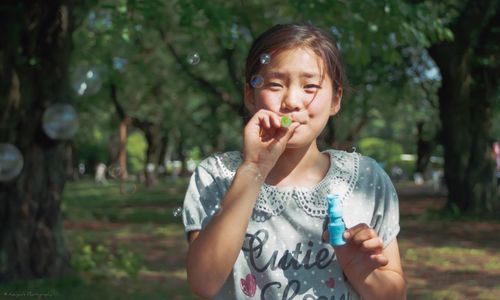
[312, 87]
[274, 85]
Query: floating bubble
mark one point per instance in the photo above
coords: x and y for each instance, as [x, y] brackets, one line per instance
[265, 58]
[86, 81]
[128, 188]
[335, 31]
[257, 81]
[99, 20]
[216, 210]
[193, 58]
[119, 63]
[177, 212]
[114, 171]
[11, 162]
[60, 121]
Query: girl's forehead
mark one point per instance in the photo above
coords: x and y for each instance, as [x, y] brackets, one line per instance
[296, 58]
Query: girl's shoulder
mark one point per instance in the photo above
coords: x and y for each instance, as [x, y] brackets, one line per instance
[353, 158]
[223, 164]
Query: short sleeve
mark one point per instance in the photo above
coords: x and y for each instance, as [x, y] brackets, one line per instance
[385, 219]
[202, 197]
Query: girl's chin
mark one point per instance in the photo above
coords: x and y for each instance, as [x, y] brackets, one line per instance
[297, 142]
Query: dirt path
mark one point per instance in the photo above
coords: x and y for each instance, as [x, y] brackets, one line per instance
[447, 259]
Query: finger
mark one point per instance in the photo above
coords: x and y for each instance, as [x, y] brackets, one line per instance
[325, 236]
[375, 245]
[276, 121]
[286, 133]
[379, 260]
[354, 230]
[363, 235]
[266, 122]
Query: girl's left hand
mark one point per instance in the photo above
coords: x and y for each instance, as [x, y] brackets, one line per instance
[362, 252]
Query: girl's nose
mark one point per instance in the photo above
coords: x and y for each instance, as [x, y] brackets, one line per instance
[291, 101]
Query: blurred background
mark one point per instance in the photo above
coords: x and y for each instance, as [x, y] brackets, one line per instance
[107, 106]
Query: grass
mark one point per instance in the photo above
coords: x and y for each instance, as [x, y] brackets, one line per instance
[124, 246]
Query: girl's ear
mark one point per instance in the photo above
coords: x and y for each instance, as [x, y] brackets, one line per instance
[336, 101]
[249, 99]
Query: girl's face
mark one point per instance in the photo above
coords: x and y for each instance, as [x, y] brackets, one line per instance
[296, 84]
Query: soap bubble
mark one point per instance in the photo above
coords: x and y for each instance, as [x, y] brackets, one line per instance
[257, 81]
[128, 188]
[177, 212]
[114, 171]
[86, 81]
[265, 58]
[119, 63]
[11, 162]
[60, 121]
[216, 210]
[193, 58]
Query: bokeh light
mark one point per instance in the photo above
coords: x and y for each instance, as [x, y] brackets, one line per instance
[11, 162]
[60, 121]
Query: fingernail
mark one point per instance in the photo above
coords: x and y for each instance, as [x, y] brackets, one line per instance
[347, 234]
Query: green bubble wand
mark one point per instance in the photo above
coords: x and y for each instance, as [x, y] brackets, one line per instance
[286, 121]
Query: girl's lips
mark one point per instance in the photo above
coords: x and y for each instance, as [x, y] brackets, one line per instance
[300, 117]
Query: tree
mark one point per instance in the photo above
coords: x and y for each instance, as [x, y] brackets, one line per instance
[470, 71]
[35, 46]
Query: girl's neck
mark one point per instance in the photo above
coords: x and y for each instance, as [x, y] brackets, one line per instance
[303, 167]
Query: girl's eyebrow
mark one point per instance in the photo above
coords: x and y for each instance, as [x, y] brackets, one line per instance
[281, 75]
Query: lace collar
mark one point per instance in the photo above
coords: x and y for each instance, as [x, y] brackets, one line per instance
[272, 200]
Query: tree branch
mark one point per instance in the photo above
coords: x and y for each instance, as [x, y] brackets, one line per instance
[205, 84]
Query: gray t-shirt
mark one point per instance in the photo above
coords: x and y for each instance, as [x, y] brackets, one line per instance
[283, 256]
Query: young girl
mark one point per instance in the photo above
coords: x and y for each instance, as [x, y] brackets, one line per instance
[255, 219]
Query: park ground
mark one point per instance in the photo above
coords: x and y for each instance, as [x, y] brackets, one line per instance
[131, 245]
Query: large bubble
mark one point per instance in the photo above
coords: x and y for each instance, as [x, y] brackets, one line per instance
[60, 121]
[11, 162]
[86, 81]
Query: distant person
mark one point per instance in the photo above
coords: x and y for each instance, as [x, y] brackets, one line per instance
[254, 219]
[100, 174]
[496, 154]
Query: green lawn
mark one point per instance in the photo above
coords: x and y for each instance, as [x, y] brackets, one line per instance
[124, 246]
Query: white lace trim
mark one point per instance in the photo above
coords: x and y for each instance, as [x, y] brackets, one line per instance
[341, 176]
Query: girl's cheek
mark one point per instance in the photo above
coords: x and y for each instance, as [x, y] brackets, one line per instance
[269, 100]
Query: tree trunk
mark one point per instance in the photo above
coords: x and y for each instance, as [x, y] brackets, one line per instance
[465, 111]
[35, 46]
[154, 139]
[424, 151]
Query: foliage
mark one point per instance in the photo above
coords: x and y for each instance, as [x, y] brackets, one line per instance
[387, 152]
[104, 260]
[136, 150]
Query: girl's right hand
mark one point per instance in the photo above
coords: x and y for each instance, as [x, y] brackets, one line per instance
[264, 140]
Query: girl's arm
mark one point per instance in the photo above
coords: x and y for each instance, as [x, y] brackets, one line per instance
[214, 250]
[386, 282]
[374, 271]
